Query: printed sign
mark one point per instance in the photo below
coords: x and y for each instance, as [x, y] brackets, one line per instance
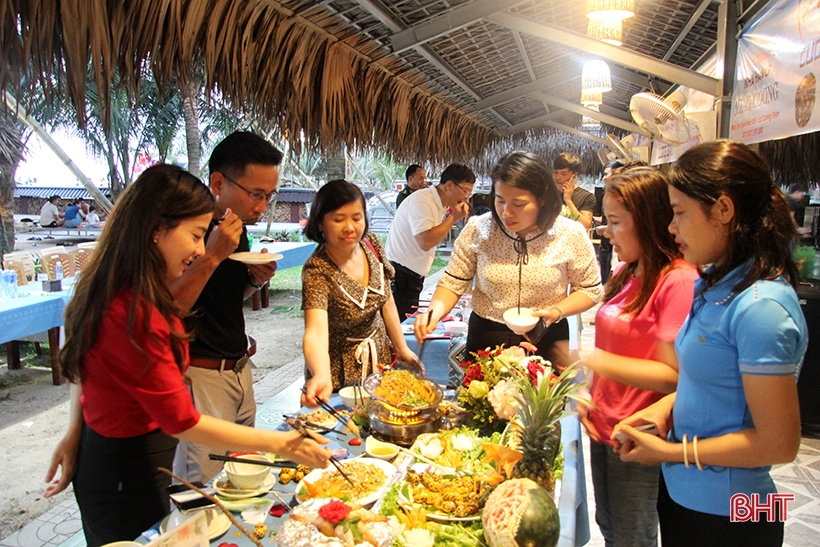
[778, 66]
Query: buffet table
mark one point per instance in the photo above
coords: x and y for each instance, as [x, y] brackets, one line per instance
[572, 503]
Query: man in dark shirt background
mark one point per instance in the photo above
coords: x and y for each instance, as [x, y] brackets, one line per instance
[580, 203]
[416, 179]
[244, 176]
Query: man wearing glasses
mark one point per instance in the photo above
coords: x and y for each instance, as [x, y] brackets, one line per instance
[244, 176]
[419, 226]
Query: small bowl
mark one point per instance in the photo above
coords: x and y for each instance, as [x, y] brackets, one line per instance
[378, 449]
[348, 395]
[456, 328]
[247, 476]
[520, 323]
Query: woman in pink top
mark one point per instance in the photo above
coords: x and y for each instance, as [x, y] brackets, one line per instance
[125, 354]
[634, 363]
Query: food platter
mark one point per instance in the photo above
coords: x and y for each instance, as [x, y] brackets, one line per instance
[255, 258]
[319, 418]
[225, 489]
[218, 525]
[416, 393]
[357, 469]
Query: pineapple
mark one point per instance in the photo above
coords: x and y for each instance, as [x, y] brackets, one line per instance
[536, 430]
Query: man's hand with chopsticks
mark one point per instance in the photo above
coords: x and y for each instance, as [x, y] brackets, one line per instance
[305, 449]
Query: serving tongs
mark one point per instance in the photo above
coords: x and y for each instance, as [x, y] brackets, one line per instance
[299, 426]
[350, 427]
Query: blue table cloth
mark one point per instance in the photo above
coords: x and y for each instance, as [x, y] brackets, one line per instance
[30, 314]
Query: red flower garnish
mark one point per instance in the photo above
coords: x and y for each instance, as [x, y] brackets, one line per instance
[475, 373]
[532, 370]
[277, 510]
[334, 511]
[483, 353]
[355, 442]
[226, 544]
[465, 364]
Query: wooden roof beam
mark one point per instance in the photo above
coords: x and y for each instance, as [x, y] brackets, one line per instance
[445, 23]
[637, 61]
[579, 109]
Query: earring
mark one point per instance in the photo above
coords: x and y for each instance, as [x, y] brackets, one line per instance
[156, 239]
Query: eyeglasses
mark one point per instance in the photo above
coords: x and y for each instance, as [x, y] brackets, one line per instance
[467, 191]
[255, 196]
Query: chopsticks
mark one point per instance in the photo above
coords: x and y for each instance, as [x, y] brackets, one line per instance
[221, 458]
[299, 426]
[350, 426]
[317, 427]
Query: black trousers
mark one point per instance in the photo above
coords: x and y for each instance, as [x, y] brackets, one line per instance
[118, 488]
[682, 527]
[406, 287]
[484, 333]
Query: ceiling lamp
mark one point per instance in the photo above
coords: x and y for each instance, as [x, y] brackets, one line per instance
[589, 98]
[610, 9]
[606, 30]
[595, 77]
[588, 122]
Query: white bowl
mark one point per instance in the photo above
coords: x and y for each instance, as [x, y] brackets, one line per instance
[520, 323]
[381, 450]
[348, 395]
[456, 328]
[247, 476]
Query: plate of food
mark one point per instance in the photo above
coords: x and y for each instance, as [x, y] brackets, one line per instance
[318, 419]
[226, 490]
[445, 498]
[255, 258]
[218, 522]
[403, 390]
[369, 476]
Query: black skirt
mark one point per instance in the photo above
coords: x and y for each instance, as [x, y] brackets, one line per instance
[484, 333]
[118, 488]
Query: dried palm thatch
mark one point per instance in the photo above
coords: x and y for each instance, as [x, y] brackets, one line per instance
[295, 70]
[793, 160]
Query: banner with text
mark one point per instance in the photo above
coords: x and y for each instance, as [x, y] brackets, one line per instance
[778, 64]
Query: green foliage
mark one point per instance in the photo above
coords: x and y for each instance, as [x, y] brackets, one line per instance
[287, 280]
[805, 256]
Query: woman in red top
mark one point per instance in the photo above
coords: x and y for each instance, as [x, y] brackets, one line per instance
[646, 302]
[125, 354]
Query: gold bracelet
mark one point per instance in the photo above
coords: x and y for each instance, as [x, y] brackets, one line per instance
[695, 449]
[685, 455]
[560, 313]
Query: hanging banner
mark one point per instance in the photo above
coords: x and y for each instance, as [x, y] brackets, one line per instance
[778, 65]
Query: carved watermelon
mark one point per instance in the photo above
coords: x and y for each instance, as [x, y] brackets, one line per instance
[519, 513]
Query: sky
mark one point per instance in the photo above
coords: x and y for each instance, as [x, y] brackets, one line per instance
[42, 164]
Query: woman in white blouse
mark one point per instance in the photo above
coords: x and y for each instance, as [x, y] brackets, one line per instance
[523, 246]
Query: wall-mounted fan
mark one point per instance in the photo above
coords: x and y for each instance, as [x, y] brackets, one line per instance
[663, 118]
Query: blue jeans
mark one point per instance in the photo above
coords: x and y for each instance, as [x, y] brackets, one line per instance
[626, 497]
[74, 222]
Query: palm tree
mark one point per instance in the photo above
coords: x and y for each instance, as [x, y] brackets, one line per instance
[12, 146]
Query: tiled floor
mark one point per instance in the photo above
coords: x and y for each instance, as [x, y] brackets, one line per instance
[61, 525]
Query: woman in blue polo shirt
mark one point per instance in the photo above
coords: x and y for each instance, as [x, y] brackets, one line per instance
[735, 411]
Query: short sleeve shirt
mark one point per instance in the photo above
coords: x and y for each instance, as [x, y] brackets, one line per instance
[637, 335]
[217, 319]
[583, 200]
[760, 331]
[48, 213]
[421, 211]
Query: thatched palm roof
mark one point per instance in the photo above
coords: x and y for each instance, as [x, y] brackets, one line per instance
[431, 80]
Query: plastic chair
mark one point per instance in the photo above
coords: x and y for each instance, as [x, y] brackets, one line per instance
[51, 250]
[87, 245]
[17, 267]
[49, 261]
[81, 258]
[25, 259]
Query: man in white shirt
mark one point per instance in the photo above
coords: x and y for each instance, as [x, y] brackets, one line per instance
[50, 214]
[419, 226]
